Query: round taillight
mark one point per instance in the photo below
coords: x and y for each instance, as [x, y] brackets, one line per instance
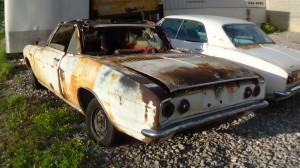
[168, 109]
[256, 90]
[183, 106]
[247, 92]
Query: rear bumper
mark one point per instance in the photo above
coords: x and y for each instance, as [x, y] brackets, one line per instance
[156, 134]
[286, 94]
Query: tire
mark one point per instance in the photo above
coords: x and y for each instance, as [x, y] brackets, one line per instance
[35, 83]
[99, 127]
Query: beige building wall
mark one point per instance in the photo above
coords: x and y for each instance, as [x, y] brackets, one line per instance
[284, 14]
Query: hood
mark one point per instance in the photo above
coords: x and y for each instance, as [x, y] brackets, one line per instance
[286, 58]
[183, 71]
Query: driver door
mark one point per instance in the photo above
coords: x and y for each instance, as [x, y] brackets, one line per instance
[47, 59]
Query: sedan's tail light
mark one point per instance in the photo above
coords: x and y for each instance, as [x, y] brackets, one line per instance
[290, 79]
[168, 109]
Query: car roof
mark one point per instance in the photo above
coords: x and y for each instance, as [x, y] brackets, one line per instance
[206, 19]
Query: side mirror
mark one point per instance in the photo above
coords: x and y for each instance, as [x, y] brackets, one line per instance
[41, 43]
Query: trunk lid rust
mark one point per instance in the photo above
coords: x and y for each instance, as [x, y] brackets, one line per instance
[183, 71]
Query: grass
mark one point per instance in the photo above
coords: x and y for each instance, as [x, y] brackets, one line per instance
[6, 67]
[34, 134]
[2, 33]
[39, 136]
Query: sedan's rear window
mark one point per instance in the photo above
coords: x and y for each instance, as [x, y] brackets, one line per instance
[243, 34]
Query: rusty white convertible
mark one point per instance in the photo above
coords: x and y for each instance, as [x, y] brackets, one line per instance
[239, 41]
[125, 77]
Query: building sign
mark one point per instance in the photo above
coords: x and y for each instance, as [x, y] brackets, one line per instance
[256, 3]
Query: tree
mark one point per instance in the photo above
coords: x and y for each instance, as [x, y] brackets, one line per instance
[1, 10]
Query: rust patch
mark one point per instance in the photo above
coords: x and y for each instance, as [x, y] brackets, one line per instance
[147, 97]
[51, 86]
[82, 76]
[62, 83]
[120, 101]
[146, 113]
[248, 46]
[202, 74]
[232, 87]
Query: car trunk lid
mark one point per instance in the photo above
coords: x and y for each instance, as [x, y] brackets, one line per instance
[283, 57]
[183, 71]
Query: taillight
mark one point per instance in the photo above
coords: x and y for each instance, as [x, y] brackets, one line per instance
[291, 78]
[168, 109]
[183, 106]
[256, 90]
[247, 92]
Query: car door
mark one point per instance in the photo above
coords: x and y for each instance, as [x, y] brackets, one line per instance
[69, 81]
[47, 58]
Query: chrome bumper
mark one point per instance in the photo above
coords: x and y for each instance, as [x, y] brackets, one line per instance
[287, 93]
[201, 120]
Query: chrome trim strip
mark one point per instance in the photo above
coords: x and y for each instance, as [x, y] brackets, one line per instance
[201, 120]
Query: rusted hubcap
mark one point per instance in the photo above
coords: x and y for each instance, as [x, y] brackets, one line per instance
[100, 123]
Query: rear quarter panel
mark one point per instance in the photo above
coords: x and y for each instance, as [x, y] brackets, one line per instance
[130, 105]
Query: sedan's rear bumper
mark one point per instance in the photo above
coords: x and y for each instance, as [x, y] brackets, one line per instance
[201, 120]
[287, 93]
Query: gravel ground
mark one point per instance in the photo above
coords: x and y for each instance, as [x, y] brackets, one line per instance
[269, 137]
[288, 39]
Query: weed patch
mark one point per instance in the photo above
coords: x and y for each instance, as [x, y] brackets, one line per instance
[2, 34]
[39, 136]
[6, 67]
[19, 80]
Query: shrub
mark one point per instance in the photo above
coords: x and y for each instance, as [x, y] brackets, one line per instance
[269, 28]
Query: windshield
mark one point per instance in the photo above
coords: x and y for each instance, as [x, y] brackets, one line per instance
[110, 39]
[244, 34]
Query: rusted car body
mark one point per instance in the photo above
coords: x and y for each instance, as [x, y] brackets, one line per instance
[140, 85]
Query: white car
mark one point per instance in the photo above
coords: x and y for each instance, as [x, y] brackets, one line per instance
[239, 41]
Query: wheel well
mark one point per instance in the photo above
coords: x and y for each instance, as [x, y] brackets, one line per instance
[84, 96]
[27, 63]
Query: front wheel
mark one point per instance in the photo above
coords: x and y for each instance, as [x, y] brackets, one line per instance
[99, 127]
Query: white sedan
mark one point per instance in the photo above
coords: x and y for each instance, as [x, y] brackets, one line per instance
[239, 41]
